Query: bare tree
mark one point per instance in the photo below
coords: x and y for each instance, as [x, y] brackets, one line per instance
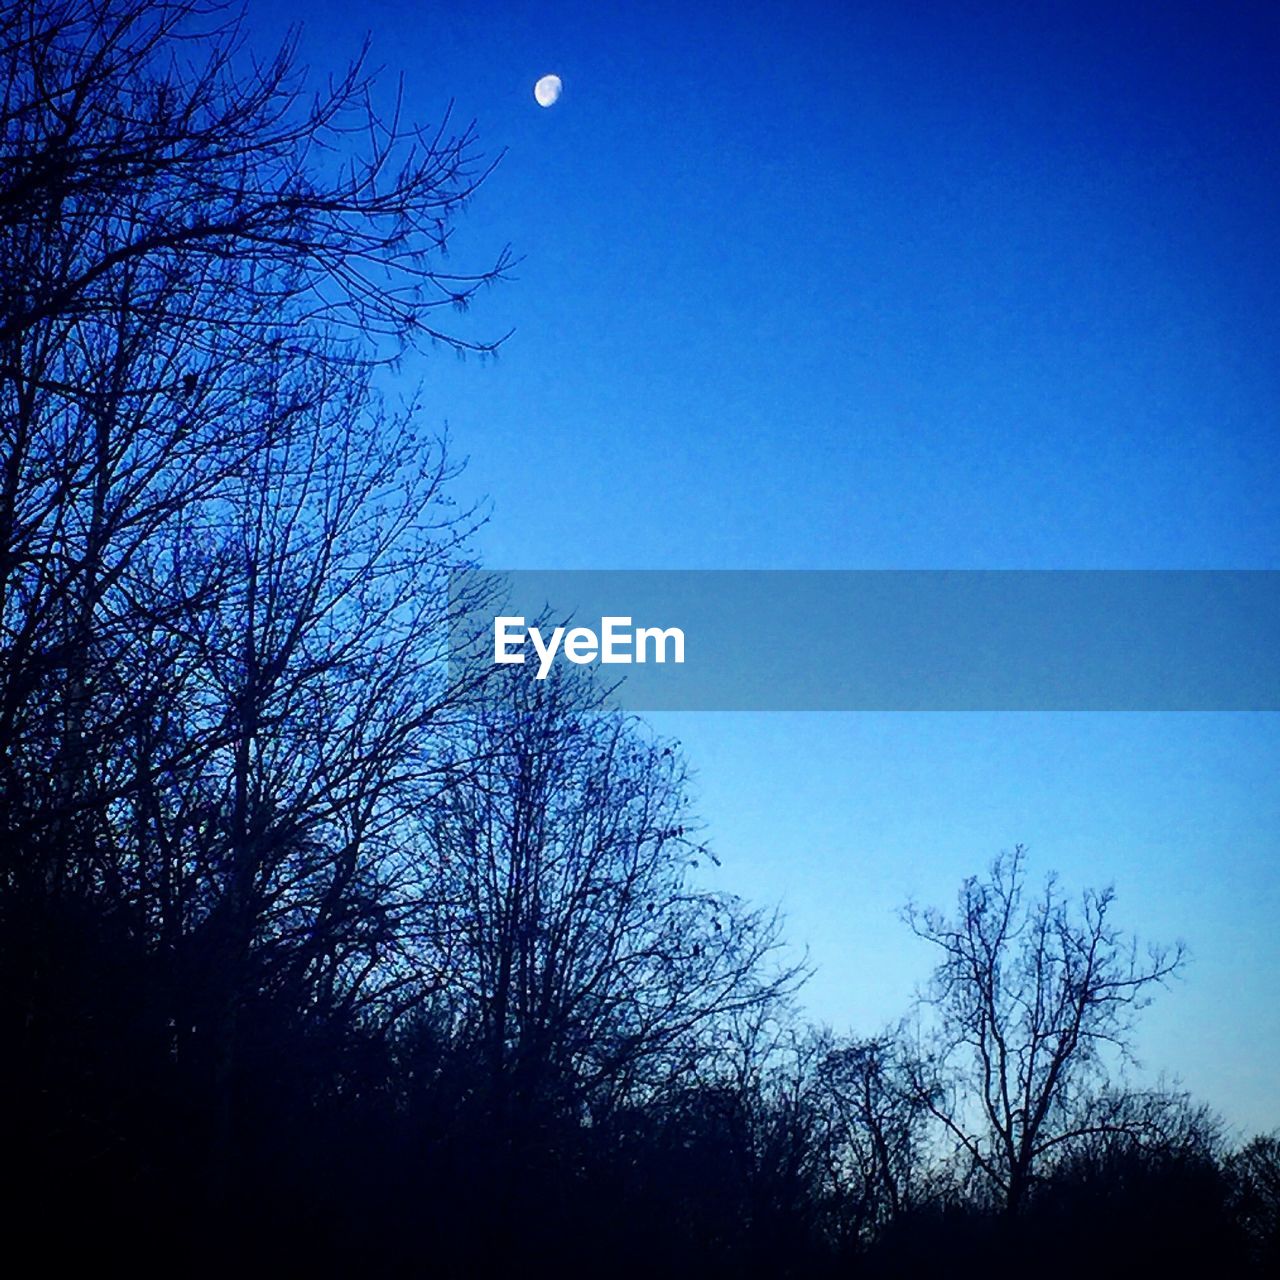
[1032, 998]
[138, 132]
[593, 965]
[200, 264]
[178, 222]
[1254, 1173]
[222, 558]
[877, 1135]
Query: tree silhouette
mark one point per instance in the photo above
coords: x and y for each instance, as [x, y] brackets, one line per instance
[878, 1129]
[143, 134]
[592, 965]
[1254, 1174]
[223, 560]
[1031, 995]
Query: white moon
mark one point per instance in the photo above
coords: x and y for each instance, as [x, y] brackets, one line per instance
[547, 91]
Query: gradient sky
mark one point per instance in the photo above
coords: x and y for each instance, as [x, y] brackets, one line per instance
[897, 285]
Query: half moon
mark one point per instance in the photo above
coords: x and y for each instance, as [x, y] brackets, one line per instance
[547, 91]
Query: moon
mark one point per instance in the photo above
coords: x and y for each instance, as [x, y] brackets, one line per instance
[547, 91]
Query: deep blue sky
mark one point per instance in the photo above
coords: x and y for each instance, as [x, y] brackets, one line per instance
[898, 286]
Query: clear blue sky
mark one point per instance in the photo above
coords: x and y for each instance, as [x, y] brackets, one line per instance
[898, 285]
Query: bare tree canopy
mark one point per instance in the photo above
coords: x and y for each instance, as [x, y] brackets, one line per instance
[594, 967]
[1032, 995]
[143, 133]
[223, 558]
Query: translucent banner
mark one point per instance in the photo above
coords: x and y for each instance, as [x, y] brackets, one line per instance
[997, 640]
